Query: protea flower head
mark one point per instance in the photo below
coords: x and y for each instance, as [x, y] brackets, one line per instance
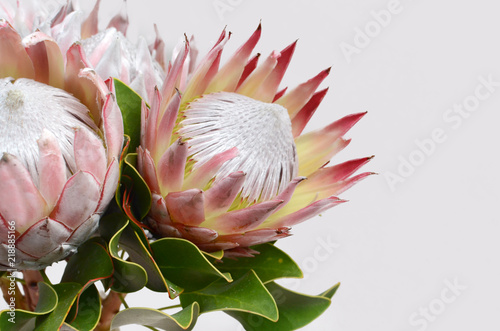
[61, 134]
[224, 157]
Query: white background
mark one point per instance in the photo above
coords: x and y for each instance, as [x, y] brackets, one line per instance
[396, 248]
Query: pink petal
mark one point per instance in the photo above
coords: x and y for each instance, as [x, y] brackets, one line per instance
[14, 61]
[342, 186]
[4, 231]
[240, 252]
[163, 229]
[84, 231]
[151, 126]
[307, 212]
[113, 127]
[297, 98]
[217, 246]
[103, 88]
[228, 76]
[300, 120]
[20, 200]
[78, 201]
[269, 87]
[81, 88]
[196, 234]
[279, 94]
[249, 68]
[221, 195]
[120, 20]
[287, 194]
[90, 155]
[242, 220]
[43, 237]
[186, 207]
[147, 169]
[167, 124]
[206, 70]
[173, 78]
[202, 174]
[47, 59]
[90, 25]
[159, 211]
[145, 81]
[329, 175]
[109, 187]
[251, 86]
[311, 160]
[256, 237]
[317, 147]
[68, 31]
[52, 168]
[144, 124]
[61, 15]
[171, 167]
[158, 48]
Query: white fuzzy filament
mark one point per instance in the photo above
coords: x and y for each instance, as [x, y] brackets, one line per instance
[261, 132]
[26, 108]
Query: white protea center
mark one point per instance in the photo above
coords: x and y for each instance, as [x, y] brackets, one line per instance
[27, 108]
[261, 132]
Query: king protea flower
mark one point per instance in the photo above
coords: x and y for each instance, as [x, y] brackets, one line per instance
[61, 134]
[222, 151]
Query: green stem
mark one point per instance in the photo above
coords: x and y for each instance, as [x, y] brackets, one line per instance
[170, 307]
[124, 303]
[44, 276]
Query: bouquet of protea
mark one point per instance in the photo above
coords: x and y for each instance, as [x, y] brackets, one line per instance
[175, 175]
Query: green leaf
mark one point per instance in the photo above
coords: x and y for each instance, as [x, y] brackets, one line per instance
[133, 189]
[130, 105]
[87, 310]
[295, 310]
[246, 294]
[184, 264]
[25, 320]
[140, 254]
[272, 263]
[90, 264]
[182, 320]
[66, 295]
[330, 292]
[128, 276]
[215, 255]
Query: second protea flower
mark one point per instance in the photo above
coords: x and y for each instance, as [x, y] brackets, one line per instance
[222, 151]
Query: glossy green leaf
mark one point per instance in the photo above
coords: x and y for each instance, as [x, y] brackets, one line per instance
[127, 276]
[91, 263]
[215, 255]
[66, 296]
[140, 254]
[295, 310]
[246, 294]
[133, 189]
[180, 321]
[25, 320]
[130, 105]
[272, 263]
[184, 264]
[330, 292]
[87, 310]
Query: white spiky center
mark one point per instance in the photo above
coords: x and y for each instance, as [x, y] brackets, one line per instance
[26, 108]
[262, 133]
